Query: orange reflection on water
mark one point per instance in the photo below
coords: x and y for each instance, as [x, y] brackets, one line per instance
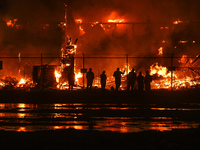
[78, 127]
[21, 115]
[58, 127]
[67, 106]
[164, 118]
[2, 114]
[2, 106]
[123, 128]
[183, 109]
[22, 106]
[163, 126]
[23, 129]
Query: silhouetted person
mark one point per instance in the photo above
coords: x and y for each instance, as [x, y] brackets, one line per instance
[117, 74]
[131, 79]
[71, 79]
[140, 80]
[147, 81]
[103, 80]
[90, 78]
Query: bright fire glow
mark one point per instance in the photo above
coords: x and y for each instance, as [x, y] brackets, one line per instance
[183, 59]
[183, 42]
[160, 51]
[11, 23]
[79, 21]
[159, 70]
[81, 30]
[162, 78]
[57, 75]
[116, 20]
[78, 76]
[163, 41]
[177, 22]
[22, 81]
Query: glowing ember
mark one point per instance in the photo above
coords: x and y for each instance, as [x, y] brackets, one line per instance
[159, 70]
[57, 75]
[183, 42]
[183, 59]
[22, 81]
[177, 22]
[162, 78]
[79, 21]
[2, 84]
[116, 20]
[160, 51]
[81, 30]
[78, 76]
[163, 41]
[11, 23]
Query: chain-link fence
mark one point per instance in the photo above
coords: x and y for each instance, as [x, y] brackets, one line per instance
[178, 72]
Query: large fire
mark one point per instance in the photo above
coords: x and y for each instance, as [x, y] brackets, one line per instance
[116, 20]
[164, 79]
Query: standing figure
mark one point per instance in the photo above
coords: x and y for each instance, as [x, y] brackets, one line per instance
[103, 80]
[117, 74]
[140, 80]
[90, 78]
[147, 81]
[131, 80]
[71, 79]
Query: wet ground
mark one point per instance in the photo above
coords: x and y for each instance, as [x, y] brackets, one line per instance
[99, 120]
[122, 118]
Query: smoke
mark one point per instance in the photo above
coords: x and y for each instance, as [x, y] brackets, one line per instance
[37, 31]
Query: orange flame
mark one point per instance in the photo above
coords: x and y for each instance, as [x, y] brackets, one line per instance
[78, 76]
[57, 75]
[22, 81]
[159, 70]
[11, 23]
[79, 21]
[116, 20]
[177, 22]
[160, 51]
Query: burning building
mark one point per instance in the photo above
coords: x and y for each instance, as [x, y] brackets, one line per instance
[110, 38]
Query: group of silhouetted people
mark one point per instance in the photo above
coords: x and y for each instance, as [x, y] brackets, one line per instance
[143, 82]
[132, 78]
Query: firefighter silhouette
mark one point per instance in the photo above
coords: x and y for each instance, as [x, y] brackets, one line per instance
[103, 80]
[147, 81]
[117, 74]
[131, 80]
[90, 78]
[71, 79]
[140, 80]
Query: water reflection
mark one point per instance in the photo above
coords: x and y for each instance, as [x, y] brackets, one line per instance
[122, 118]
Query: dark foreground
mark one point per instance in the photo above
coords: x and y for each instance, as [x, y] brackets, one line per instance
[79, 139]
[97, 96]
